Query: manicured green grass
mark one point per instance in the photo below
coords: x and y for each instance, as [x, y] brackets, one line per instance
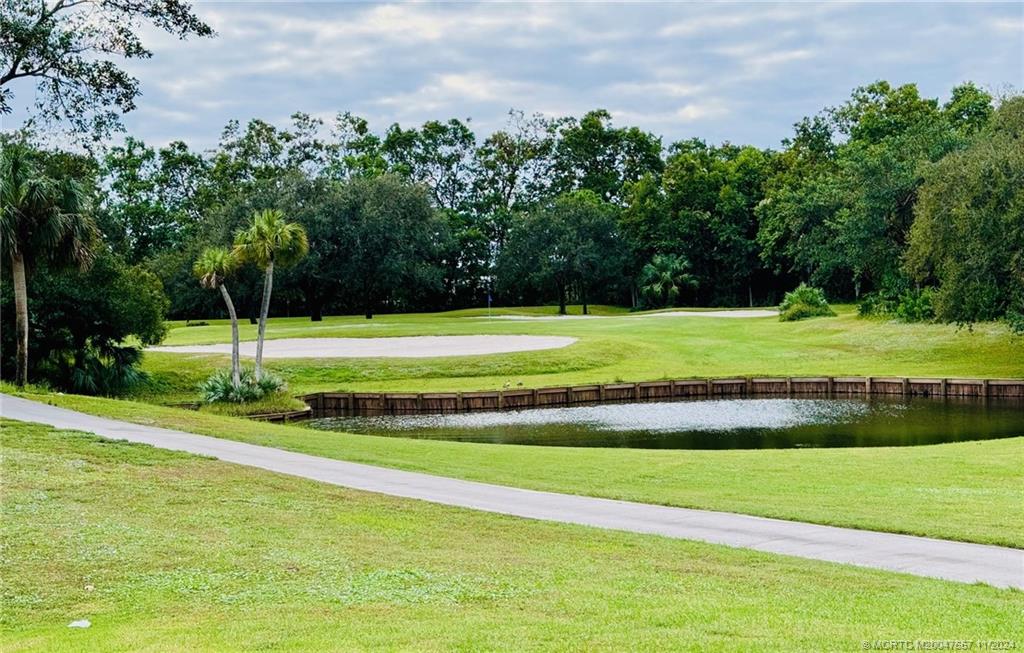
[630, 347]
[969, 491]
[276, 403]
[165, 551]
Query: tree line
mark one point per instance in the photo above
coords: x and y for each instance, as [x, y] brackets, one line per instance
[912, 207]
[574, 210]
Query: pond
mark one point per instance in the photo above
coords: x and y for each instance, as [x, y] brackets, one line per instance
[714, 424]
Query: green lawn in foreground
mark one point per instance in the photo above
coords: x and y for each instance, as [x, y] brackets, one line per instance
[165, 551]
[628, 347]
[969, 491]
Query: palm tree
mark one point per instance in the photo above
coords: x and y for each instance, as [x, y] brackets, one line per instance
[41, 220]
[213, 267]
[662, 278]
[270, 240]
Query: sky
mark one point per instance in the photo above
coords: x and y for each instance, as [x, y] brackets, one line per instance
[738, 72]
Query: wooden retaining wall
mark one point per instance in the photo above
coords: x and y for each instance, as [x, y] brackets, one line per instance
[335, 404]
[289, 416]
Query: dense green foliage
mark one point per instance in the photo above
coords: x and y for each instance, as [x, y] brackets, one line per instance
[663, 279]
[432, 218]
[44, 219]
[87, 327]
[804, 302]
[912, 205]
[570, 246]
[968, 235]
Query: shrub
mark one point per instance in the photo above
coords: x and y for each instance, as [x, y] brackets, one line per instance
[908, 304]
[802, 303]
[877, 304]
[88, 328]
[218, 388]
[915, 305]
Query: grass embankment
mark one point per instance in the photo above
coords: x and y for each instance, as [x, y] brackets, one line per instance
[970, 491]
[630, 347]
[276, 403]
[184, 569]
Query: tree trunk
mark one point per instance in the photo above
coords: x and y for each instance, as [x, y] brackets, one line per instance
[561, 300]
[21, 316]
[268, 285]
[236, 365]
[585, 307]
[316, 310]
[750, 294]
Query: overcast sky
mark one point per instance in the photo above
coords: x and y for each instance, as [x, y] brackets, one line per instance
[739, 72]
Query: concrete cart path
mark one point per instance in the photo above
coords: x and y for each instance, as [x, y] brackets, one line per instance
[958, 561]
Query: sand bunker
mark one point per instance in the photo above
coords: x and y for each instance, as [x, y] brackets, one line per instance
[753, 312]
[399, 347]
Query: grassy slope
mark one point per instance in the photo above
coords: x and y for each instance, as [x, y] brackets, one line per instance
[184, 569]
[968, 491]
[623, 347]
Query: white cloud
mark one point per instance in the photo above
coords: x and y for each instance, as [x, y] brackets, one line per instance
[656, 89]
[738, 71]
[1009, 26]
[451, 89]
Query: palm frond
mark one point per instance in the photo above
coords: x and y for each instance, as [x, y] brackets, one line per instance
[271, 238]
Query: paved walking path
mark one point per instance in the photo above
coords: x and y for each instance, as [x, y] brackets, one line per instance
[958, 561]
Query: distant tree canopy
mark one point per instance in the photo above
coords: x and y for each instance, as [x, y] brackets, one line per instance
[904, 202]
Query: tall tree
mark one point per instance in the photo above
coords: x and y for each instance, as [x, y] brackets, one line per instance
[152, 200]
[270, 240]
[375, 243]
[41, 220]
[571, 245]
[968, 231]
[592, 155]
[67, 48]
[843, 221]
[439, 155]
[213, 267]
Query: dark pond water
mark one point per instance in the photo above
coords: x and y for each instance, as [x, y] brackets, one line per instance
[721, 424]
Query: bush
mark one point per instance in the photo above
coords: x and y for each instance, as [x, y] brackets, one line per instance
[877, 304]
[219, 389]
[802, 303]
[908, 304]
[916, 305]
[87, 328]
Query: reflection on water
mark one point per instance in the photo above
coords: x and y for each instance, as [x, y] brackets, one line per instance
[714, 424]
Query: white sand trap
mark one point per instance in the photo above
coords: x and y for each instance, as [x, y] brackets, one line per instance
[399, 347]
[753, 312]
[540, 318]
[765, 312]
